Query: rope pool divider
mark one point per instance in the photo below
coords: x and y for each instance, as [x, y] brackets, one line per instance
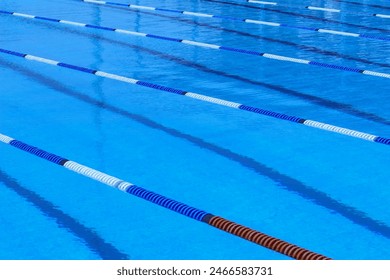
[254, 236]
[289, 5]
[363, 4]
[315, 8]
[259, 22]
[206, 45]
[205, 98]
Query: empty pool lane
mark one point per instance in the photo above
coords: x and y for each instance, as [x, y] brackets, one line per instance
[209, 46]
[244, 20]
[254, 236]
[205, 98]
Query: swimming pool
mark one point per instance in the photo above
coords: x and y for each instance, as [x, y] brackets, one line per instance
[321, 190]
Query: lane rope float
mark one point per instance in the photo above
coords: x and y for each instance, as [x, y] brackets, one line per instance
[276, 3]
[205, 98]
[316, 8]
[254, 236]
[363, 4]
[252, 21]
[206, 45]
[294, 14]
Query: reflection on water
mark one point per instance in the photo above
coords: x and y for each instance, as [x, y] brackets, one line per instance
[87, 236]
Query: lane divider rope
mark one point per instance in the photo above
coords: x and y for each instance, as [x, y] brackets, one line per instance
[315, 8]
[294, 14]
[345, 1]
[363, 4]
[205, 98]
[206, 45]
[252, 21]
[254, 236]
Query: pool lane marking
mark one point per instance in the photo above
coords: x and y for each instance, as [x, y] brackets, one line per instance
[254, 236]
[315, 8]
[205, 98]
[88, 236]
[253, 21]
[207, 45]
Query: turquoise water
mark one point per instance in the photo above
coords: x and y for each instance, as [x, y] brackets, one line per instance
[320, 190]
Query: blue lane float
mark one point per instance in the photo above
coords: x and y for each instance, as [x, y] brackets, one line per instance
[316, 8]
[38, 152]
[251, 21]
[209, 46]
[205, 98]
[254, 236]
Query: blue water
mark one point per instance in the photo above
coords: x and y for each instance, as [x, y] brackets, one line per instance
[322, 191]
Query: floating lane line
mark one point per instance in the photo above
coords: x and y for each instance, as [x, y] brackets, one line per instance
[254, 236]
[315, 8]
[253, 21]
[317, 197]
[294, 14]
[363, 4]
[209, 46]
[205, 98]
